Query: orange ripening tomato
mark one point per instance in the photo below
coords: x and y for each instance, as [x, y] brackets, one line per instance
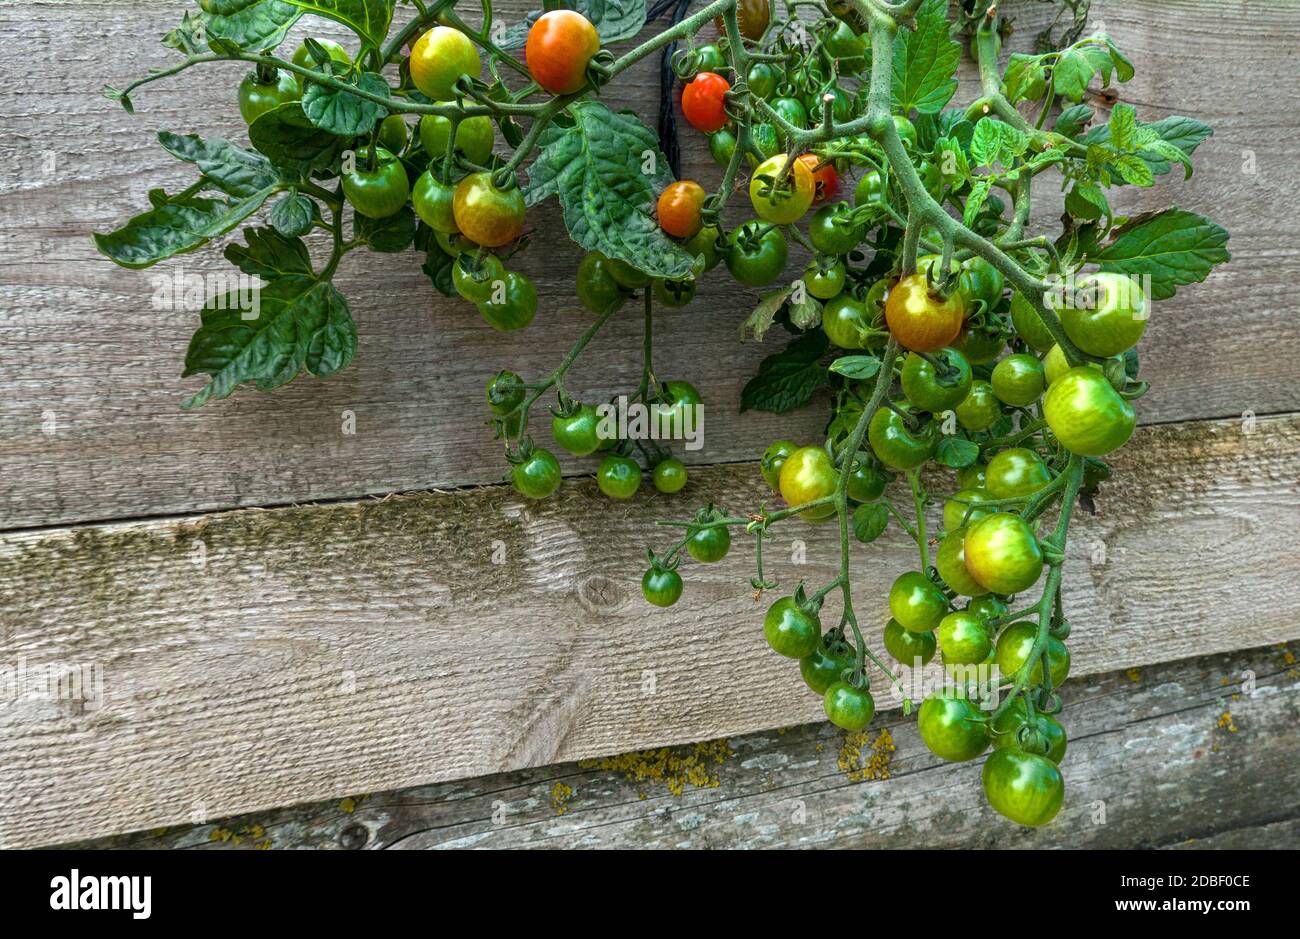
[825, 179]
[920, 321]
[560, 44]
[702, 102]
[679, 208]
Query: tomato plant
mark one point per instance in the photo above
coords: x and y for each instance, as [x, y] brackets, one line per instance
[944, 337]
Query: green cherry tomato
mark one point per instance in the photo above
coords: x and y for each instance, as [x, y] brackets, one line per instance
[1028, 324]
[453, 244]
[980, 346]
[704, 243]
[849, 707]
[825, 665]
[670, 475]
[1015, 645]
[709, 545]
[866, 482]
[1002, 554]
[1016, 472]
[660, 587]
[791, 631]
[928, 389]
[674, 294]
[474, 136]
[766, 141]
[302, 56]
[538, 476]
[577, 432]
[792, 110]
[757, 260]
[908, 647]
[432, 202]
[512, 303]
[906, 130]
[843, 42]
[958, 511]
[597, 289]
[845, 321]
[824, 277]
[1024, 787]
[722, 146]
[762, 80]
[963, 639]
[619, 477]
[807, 475]
[378, 192]
[988, 608]
[505, 392]
[1107, 314]
[950, 562]
[973, 476]
[1087, 415]
[870, 189]
[832, 229]
[979, 280]
[774, 457]
[709, 58]
[393, 133]
[1007, 731]
[898, 446]
[679, 397]
[256, 98]
[979, 410]
[780, 198]
[1019, 380]
[952, 727]
[476, 277]
[917, 602]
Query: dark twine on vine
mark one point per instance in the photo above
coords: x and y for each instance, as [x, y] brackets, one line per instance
[667, 116]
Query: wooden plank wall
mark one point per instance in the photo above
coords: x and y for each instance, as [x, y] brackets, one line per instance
[277, 652]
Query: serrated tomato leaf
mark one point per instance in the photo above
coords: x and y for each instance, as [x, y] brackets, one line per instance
[1173, 248]
[268, 254]
[369, 19]
[254, 26]
[342, 113]
[175, 227]
[789, 378]
[870, 521]
[234, 170]
[925, 61]
[956, 452]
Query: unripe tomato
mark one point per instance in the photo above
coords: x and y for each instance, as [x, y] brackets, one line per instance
[866, 482]
[928, 391]
[474, 137]
[825, 665]
[1019, 380]
[439, 58]
[702, 102]
[752, 17]
[907, 647]
[560, 46]
[832, 229]
[1007, 729]
[808, 474]
[906, 130]
[486, 215]
[1055, 364]
[512, 304]
[979, 410]
[709, 545]
[973, 476]
[378, 192]
[979, 280]
[1015, 645]
[1087, 415]
[256, 98]
[1028, 324]
[980, 346]
[433, 203]
[577, 432]
[845, 320]
[824, 277]
[627, 276]
[674, 294]
[475, 278]
[303, 59]
[774, 457]
[1025, 787]
[709, 58]
[679, 208]
[849, 707]
[762, 79]
[963, 640]
[1002, 554]
[790, 630]
[898, 446]
[920, 321]
[779, 198]
[670, 475]
[1111, 315]
[870, 189]
[825, 179]
[618, 477]
[538, 476]
[660, 587]
[952, 727]
[988, 608]
[722, 146]
[792, 110]
[705, 244]
[393, 133]
[757, 260]
[950, 561]
[917, 602]
[959, 510]
[844, 43]
[597, 289]
[1016, 472]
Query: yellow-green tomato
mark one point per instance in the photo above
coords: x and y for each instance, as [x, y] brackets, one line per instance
[963, 639]
[1087, 415]
[917, 602]
[1107, 314]
[979, 410]
[1019, 380]
[473, 137]
[959, 510]
[807, 475]
[950, 562]
[1016, 472]
[1002, 553]
[1015, 647]
[778, 197]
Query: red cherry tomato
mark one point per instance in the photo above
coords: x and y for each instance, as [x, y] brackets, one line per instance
[825, 179]
[560, 44]
[702, 102]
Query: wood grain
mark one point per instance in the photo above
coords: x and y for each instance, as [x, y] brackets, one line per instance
[1152, 763]
[266, 657]
[89, 386]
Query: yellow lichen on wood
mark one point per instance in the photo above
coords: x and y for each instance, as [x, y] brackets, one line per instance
[560, 795]
[878, 756]
[1133, 675]
[675, 767]
[1227, 723]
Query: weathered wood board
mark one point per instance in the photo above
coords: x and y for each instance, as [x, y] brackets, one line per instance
[1200, 753]
[90, 417]
[266, 657]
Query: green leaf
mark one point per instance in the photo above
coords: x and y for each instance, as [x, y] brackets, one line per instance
[925, 61]
[389, 235]
[1072, 120]
[298, 323]
[806, 313]
[437, 266]
[956, 452]
[979, 192]
[607, 171]
[233, 170]
[294, 215]
[175, 227]
[342, 113]
[870, 521]
[1086, 201]
[369, 19]
[1071, 74]
[856, 367]
[995, 142]
[1134, 170]
[1123, 126]
[953, 165]
[255, 26]
[614, 20]
[292, 141]
[1019, 71]
[268, 254]
[764, 315]
[788, 379]
[1172, 248]
[1184, 133]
